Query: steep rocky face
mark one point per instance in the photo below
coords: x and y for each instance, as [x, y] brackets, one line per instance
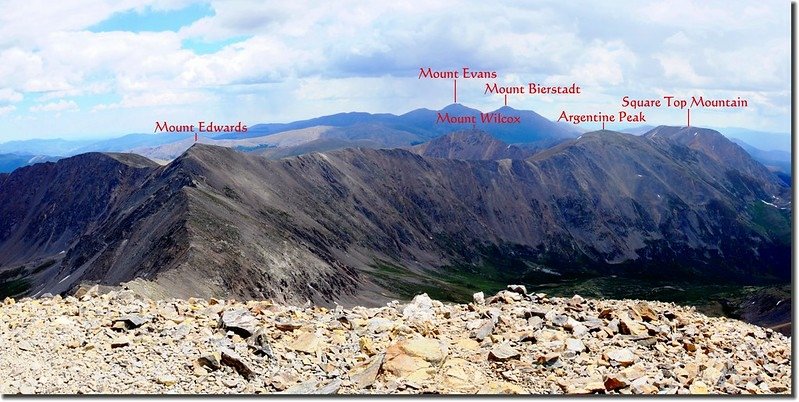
[664, 189]
[470, 145]
[189, 239]
[45, 207]
[725, 152]
[362, 225]
[768, 307]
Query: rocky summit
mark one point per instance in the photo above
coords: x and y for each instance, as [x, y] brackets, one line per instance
[511, 342]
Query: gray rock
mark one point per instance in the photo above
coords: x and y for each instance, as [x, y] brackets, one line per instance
[520, 289]
[571, 323]
[311, 387]
[378, 325]
[575, 345]
[535, 322]
[503, 352]
[287, 326]
[25, 345]
[120, 342]
[624, 357]
[259, 342]
[364, 377]
[558, 320]
[420, 309]
[239, 321]
[181, 331]
[211, 361]
[232, 359]
[485, 330]
[535, 312]
[579, 330]
[130, 321]
[592, 323]
[493, 313]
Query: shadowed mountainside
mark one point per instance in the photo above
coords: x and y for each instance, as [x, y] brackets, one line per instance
[362, 225]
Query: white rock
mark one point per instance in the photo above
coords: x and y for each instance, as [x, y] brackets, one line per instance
[420, 309]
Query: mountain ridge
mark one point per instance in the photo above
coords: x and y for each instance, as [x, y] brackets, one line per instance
[472, 144]
[360, 225]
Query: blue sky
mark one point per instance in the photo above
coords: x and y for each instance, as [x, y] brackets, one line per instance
[100, 68]
[153, 20]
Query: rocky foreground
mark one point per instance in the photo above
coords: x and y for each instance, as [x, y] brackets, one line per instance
[512, 342]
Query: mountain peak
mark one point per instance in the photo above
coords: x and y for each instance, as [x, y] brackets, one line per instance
[94, 158]
[507, 109]
[470, 144]
[131, 159]
[458, 108]
[199, 148]
[718, 147]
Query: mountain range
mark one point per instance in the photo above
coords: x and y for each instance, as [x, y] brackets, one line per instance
[367, 225]
[365, 130]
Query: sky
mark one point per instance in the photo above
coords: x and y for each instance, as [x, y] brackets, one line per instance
[92, 68]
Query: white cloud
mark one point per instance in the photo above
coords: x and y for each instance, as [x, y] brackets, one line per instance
[150, 99]
[304, 58]
[709, 16]
[19, 66]
[678, 68]
[7, 109]
[604, 64]
[680, 39]
[89, 88]
[25, 22]
[59, 106]
[8, 95]
[257, 60]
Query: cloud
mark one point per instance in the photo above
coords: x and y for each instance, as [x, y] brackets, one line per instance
[59, 106]
[302, 58]
[149, 99]
[25, 22]
[89, 88]
[7, 109]
[680, 39]
[604, 64]
[256, 60]
[18, 67]
[8, 95]
[679, 69]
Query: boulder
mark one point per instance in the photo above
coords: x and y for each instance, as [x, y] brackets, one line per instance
[503, 352]
[240, 321]
[623, 357]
